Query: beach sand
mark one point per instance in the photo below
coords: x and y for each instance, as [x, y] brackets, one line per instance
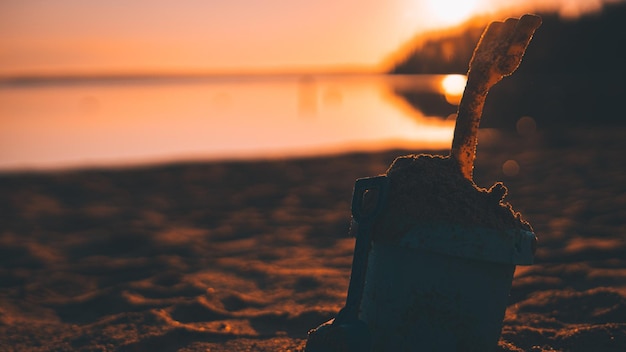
[250, 255]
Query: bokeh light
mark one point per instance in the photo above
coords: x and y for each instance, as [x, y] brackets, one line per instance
[526, 126]
[510, 168]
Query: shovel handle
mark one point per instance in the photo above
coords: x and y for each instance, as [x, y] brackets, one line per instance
[498, 54]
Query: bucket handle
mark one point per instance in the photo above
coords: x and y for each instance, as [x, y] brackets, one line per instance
[365, 209]
[361, 211]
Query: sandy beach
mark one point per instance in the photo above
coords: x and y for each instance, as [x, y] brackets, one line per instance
[250, 255]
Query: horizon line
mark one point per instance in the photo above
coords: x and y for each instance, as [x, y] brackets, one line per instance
[130, 74]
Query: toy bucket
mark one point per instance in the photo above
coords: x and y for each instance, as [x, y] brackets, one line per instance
[442, 287]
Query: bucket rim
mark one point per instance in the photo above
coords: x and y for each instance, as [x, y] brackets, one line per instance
[510, 246]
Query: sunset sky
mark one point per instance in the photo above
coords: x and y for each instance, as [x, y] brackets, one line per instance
[113, 36]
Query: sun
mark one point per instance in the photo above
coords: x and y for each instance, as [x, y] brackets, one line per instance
[449, 12]
[453, 87]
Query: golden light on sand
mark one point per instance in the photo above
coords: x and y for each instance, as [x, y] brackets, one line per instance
[449, 12]
[453, 87]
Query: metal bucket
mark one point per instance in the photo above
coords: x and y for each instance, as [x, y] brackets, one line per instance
[442, 287]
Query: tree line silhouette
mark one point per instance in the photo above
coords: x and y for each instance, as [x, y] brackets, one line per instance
[574, 70]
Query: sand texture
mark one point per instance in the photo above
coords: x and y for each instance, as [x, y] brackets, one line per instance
[247, 256]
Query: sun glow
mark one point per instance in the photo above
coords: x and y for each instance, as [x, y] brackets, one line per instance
[453, 87]
[449, 12]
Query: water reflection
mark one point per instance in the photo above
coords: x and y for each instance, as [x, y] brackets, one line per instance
[91, 123]
[307, 96]
[428, 98]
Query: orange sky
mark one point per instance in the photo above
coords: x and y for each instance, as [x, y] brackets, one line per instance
[101, 36]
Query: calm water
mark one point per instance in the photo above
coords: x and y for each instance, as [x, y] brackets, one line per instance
[122, 122]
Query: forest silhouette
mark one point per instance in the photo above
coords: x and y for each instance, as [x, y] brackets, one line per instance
[573, 70]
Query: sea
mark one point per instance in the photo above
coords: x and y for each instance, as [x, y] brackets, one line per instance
[84, 122]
